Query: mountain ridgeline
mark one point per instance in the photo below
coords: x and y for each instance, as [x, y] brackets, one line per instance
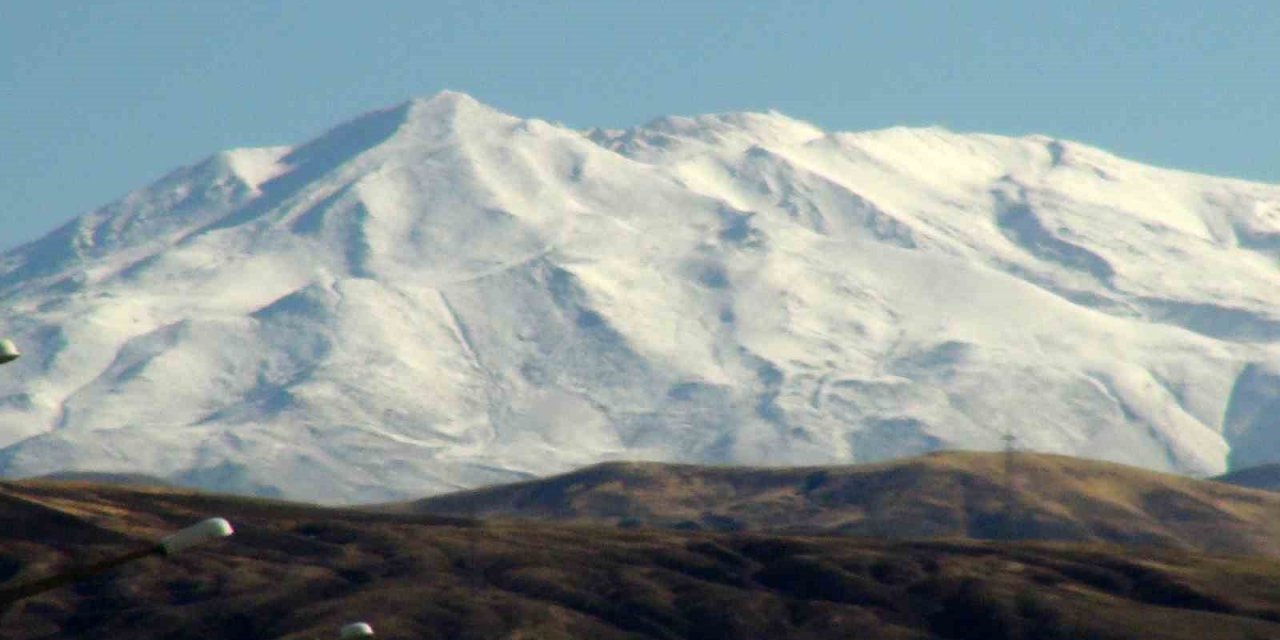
[439, 296]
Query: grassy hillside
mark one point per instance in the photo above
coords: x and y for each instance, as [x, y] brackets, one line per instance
[294, 571]
[953, 494]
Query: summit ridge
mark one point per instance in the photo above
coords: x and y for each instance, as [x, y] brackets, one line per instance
[440, 295]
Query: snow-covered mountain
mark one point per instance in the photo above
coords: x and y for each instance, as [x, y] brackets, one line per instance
[440, 295]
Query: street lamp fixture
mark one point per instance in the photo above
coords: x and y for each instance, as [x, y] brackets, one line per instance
[8, 351]
[355, 630]
[199, 533]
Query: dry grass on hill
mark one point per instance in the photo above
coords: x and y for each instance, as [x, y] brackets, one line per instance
[955, 494]
[294, 571]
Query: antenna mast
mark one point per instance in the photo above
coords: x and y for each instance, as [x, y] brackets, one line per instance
[1010, 495]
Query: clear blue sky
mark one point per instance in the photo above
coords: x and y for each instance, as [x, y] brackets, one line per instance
[101, 97]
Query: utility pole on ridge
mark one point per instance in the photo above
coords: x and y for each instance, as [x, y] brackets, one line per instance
[1010, 486]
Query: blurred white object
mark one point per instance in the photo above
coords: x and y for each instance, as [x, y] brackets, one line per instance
[198, 533]
[8, 351]
[356, 630]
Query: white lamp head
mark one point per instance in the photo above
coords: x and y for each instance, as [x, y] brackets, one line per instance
[8, 351]
[198, 533]
[355, 630]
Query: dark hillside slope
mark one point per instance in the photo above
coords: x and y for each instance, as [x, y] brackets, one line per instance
[293, 571]
[127, 479]
[953, 494]
[1266, 477]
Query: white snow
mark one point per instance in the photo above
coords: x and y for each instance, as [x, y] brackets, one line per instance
[439, 295]
[256, 166]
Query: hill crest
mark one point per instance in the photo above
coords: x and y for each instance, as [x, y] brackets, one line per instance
[950, 494]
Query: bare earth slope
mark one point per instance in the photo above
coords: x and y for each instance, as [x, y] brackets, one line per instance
[953, 494]
[294, 571]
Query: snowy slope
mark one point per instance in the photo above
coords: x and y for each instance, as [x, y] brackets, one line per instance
[440, 295]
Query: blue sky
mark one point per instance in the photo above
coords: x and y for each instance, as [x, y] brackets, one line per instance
[101, 97]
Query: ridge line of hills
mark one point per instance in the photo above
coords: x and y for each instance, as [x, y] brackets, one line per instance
[945, 494]
[295, 571]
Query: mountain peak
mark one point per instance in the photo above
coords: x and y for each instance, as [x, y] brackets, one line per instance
[415, 121]
[500, 298]
[448, 98]
[451, 110]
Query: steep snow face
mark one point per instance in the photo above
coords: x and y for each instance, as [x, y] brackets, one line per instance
[440, 295]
